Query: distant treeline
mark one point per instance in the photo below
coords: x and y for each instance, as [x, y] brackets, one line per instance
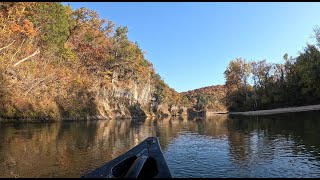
[206, 98]
[294, 82]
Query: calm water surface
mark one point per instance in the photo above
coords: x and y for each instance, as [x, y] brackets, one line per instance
[286, 145]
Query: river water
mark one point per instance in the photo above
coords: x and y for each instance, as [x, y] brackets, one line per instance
[284, 145]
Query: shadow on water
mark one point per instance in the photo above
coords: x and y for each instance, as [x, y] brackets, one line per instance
[285, 145]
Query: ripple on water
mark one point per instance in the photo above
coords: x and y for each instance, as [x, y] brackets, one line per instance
[194, 155]
[217, 147]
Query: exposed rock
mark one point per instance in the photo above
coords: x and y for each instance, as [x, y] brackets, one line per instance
[123, 96]
[163, 110]
[174, 110]
[127, 98]
[183, 111]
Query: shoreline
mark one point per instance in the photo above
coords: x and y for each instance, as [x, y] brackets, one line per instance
[208, 113]
[74, 119]
[278, 110]
[66, 119]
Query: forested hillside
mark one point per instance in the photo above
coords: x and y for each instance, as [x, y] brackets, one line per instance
[58, 63]
[258, 84]
[62, 63]
[211, 98]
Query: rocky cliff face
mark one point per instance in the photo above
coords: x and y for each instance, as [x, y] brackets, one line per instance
[132, 97]
[124, 96]
[124, 101]
[87, 69]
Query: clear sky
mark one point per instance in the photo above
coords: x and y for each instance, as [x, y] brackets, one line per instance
[191, 44]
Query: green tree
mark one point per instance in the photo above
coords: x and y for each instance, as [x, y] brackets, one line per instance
[52, 22]
[236, 75]
[307, 68]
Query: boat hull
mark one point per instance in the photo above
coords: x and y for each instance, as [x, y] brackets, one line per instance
[142, 161]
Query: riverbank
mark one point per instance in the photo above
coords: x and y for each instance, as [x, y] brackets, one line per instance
[278, 110]
[90, 118]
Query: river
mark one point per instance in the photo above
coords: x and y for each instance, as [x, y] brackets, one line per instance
[283, 145]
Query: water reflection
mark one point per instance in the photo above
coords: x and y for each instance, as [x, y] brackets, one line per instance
[284, 145]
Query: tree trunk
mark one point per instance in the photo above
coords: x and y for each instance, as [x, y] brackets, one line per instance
[24, 59]
[7, 45]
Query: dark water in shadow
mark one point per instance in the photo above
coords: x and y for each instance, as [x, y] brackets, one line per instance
[284, 145]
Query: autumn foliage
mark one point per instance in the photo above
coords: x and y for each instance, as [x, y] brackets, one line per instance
[210, 98]
[258, 84]
[54, 60]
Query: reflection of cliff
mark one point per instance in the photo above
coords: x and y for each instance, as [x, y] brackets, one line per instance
[23, 148]
[214, 126]
[64, 149]
[70, 149]
[168, 128]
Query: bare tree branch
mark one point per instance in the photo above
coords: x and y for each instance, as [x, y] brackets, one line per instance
[24, 59]
[7, 45]
[17, 51]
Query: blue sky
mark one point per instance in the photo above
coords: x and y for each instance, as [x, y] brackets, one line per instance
[191, 44]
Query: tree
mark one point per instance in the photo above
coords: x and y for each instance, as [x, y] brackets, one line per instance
[307, 69]
[236, 75]
[232, 76]
[51, 20]
[201, 102]
[254, 71]
[89, 37]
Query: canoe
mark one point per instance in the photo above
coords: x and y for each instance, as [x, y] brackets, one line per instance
[142, 161]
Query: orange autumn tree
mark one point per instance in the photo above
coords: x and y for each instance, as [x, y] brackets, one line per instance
[55, 59]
